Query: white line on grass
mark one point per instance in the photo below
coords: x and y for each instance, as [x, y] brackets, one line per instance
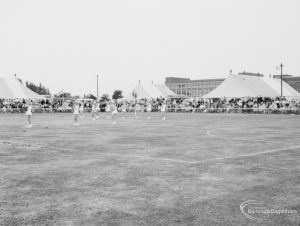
[135, 156]
[241, 139]
[146, 157]
[201, 161]
[246, 155]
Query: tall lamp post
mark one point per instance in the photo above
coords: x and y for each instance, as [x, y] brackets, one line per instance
[281, 66]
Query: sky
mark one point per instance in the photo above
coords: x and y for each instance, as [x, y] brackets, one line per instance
[65, 44]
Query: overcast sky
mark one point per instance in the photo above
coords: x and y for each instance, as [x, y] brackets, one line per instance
[64, 44]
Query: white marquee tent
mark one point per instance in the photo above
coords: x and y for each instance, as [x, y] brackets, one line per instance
[164, 90]
[149, 90]
[250, 86]
[12, 88]
[287, 90]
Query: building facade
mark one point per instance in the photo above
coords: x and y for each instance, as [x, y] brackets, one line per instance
[192, 88]
[293, 81]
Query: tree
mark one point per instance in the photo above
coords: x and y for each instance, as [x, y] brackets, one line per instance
[40, 89]
[104, 98]
[117, 94]
[90, 96]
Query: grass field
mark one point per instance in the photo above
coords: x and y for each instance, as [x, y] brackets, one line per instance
[192, 169]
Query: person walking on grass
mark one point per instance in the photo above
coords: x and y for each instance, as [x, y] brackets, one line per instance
[107, 110]
[136, 109]
[97, 109]
[81, 109]
[29, 113]
[93, 110]
[114, 112]
[4, 109]
[123, 110]
[163, 110]
[76, 113]
[149, 109]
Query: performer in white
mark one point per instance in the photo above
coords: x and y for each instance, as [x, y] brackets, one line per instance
[149, 109]
[29, 113]
[163, 110]
[93, 110]
[81, 109]
[76, 113]
[136, 109]
[97, 109]
[107, 110]
[4, 109]
[124, 110]
[114, 112]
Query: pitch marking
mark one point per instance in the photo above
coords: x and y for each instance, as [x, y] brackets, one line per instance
[242, 139]
[247, 155]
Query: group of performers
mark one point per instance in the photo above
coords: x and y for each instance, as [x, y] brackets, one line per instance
[112, 109]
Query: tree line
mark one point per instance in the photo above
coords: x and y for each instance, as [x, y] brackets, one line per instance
[39, 89]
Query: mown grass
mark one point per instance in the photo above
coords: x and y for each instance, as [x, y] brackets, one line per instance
[141, 172]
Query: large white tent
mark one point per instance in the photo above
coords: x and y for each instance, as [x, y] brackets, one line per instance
[12, 88]
[164, 90]
[250, 86]
[149, 90]
[287, 90]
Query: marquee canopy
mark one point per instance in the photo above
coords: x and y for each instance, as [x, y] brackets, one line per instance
[149, 90]
[250, 86]
[164, 90]
[287, 90]
[12, 88]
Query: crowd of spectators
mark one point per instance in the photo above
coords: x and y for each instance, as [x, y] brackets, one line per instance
[264, 105]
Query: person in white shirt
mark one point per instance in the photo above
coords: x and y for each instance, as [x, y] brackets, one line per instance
[4, 109]
[97, 109]
[137, 108]
[163, 110]
[93, 110]
[149, 109]
[123, 110]
[29, 113]
[81, 109]
[114, 112]
[76, 114]
[107, 110]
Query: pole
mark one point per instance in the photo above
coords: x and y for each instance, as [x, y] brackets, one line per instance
[281, 65]
[97, 87]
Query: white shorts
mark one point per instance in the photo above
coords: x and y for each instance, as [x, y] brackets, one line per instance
[28, 113]
[149, 109]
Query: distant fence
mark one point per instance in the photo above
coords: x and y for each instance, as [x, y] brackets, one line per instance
[174, 110]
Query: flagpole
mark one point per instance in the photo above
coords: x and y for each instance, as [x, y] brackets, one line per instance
[281, 65]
